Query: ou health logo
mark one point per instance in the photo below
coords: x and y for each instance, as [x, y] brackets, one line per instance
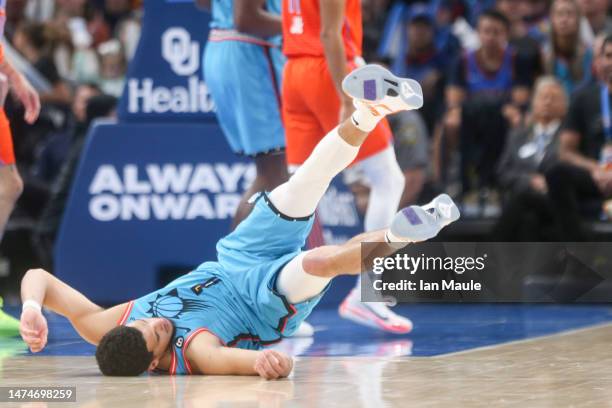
[182, 54]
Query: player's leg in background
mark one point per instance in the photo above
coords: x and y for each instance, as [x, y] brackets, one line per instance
[271, 172]
[243, 82]
[11, 184]
[11, 187]
[271, 166]
[385, 179]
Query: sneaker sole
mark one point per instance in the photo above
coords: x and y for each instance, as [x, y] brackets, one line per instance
[373, 82]
[365, 319]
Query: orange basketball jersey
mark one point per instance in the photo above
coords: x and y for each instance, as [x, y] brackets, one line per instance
[302, 28]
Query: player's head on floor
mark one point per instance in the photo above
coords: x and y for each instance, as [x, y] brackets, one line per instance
[135, 348]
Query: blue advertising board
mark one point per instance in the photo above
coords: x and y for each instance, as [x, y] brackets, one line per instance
[156, 190]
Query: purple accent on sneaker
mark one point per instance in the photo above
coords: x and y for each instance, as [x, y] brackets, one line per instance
[412, 216]
[369, 89]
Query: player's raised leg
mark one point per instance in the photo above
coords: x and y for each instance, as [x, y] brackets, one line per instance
[376, 92]
[309, 273]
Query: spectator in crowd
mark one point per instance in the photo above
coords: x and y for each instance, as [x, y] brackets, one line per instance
[98, 106]
[373, 13]
[35, 42]
[448, 15]
[529, 151]
[412, 152]
[422, 60]
[112, 67]
[535, 14]
[596, 20]
[583, 179]
[597, 75]
[520, 38]
[482, 84]
[54, 150]
[565, 56]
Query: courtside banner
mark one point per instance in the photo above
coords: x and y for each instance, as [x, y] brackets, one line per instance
[487, 272]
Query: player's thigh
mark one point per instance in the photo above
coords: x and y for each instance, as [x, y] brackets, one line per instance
[265, 235]
[302, 128]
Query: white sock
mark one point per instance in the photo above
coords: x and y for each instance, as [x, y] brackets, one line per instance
[300, 196]
[363, 118]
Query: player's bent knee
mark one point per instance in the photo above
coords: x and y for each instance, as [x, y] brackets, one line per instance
[320, 262]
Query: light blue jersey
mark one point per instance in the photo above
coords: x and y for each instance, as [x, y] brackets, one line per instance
[234, 298]
[223, 15]
[244, 75]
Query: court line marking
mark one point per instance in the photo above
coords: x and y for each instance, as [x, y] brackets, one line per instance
[520, 341]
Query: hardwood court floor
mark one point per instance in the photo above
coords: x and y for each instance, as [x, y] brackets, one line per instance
[567, 369]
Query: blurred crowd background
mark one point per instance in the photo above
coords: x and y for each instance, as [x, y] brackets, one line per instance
[499, 78]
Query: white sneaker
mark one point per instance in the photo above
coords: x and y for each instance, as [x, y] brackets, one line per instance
[420, 223]
[381, 91]
[373, 314]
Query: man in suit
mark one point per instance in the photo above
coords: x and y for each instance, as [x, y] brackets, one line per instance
[528, 153]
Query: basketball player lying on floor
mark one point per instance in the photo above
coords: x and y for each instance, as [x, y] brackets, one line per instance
[214, 319]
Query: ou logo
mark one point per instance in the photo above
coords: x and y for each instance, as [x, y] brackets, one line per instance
[182, 54]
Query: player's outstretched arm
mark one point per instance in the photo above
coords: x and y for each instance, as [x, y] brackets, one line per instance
[207, 356]
[40, 288]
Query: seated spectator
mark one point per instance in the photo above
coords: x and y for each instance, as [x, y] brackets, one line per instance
[597, 75]
[520, 38]
[583, 178]
[595, 21]
[34, 41]
[481, 84]
[393, 44]
[53, 151]
[412, 152]
[373, 13]
[98, 106]
[529, 151]
[422, 61]
[536, 15]
[448, 14]
[50, 153]
[565, 56]
[112, 68]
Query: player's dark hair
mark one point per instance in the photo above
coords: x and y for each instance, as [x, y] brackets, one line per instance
[497, 16]
[607, 40]
[123, 352]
